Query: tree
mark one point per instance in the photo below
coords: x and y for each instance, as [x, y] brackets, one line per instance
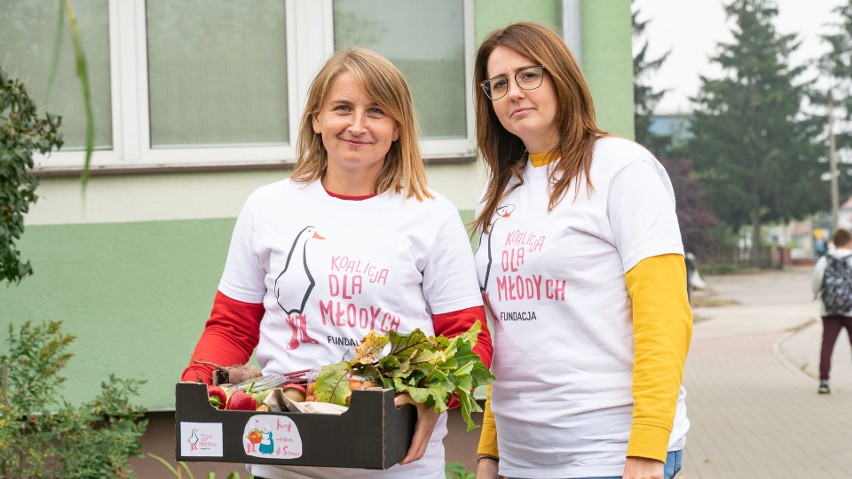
[694, 219]
[836, 66]
[22, 133]
[645, 97]
[753, 147]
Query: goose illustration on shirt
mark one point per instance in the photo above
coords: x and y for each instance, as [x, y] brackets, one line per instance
[296, 275]
[504, 211]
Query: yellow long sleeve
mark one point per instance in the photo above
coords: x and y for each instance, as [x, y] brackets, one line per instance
[662, 329]
[488, 435]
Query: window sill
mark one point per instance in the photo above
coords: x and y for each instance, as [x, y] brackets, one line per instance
[56, 172]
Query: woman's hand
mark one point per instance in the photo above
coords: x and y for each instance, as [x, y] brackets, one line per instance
[643, 468]
[486, 468]
[426, 420]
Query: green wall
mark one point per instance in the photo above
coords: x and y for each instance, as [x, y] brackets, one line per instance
[606, 42]
[608, 63]
[136, 296]
[493, 14]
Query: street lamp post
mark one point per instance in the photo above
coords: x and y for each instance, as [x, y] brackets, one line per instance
[832, 161]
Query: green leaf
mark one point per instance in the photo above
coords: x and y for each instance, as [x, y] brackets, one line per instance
[371, 371]
[468, 406]
[370, 348]
[430, 369]
[57, 44]
[471, 335]
[332, 386]
[22, 133]
[164, 463]
[83, 74]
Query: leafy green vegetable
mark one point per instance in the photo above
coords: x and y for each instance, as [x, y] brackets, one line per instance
[332, 385]
[430, 369]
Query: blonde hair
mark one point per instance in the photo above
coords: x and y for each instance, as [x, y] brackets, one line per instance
[403, 170]
[503, 152]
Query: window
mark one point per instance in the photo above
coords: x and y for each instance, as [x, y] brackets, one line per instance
[432, 57]
[211, 83]
[217, 73]
[27, 34]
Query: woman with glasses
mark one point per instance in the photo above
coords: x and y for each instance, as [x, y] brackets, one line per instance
[353, 241]
[581, 265]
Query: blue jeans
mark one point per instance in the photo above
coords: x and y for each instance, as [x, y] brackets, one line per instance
[673, 464]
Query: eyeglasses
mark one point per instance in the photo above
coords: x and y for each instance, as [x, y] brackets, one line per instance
[528, 78]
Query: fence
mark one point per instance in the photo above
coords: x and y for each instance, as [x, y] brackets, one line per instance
[768, 257]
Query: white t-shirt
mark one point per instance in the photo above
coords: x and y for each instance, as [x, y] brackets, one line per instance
[330, 270]
[563, 333]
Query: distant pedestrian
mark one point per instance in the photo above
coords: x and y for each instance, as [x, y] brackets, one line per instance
[820, 248]
[832, 282]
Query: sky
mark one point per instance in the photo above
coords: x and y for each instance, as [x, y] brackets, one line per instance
[692, 30]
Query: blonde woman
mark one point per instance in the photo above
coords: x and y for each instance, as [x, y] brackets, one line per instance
[353, 241]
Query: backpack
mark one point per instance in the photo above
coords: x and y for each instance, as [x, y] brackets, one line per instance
[837, 286]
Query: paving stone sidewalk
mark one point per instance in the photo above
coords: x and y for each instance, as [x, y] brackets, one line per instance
[751, 383]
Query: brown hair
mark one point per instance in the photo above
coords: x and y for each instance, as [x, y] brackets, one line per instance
[503, 152]
[841, 237]
[403, 170]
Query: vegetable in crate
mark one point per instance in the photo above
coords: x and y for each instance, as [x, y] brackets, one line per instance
[234, 374]
[217, 396]
[241, 401]
[295, 392]
[430, 369]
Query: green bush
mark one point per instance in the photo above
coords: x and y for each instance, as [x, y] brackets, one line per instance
[22, 133]
[456, 470]
[44, 436]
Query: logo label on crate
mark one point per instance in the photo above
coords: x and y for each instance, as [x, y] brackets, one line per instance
[272, 436]
[202, 439]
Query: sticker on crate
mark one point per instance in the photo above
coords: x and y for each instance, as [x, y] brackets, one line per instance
[202, 439]
[272, 436]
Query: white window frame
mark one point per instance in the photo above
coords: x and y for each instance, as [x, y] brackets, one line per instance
[131, 150]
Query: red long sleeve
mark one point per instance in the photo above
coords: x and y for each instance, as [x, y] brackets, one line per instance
[456, 322]
[229, 337]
